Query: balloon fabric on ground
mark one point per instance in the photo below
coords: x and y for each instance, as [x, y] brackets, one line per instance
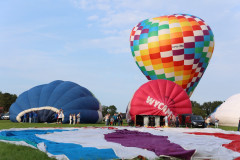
[48, 99]
[92, 143]
[174, 47]
[159, 97]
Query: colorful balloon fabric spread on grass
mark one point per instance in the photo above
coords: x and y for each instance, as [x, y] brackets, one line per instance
[159, 97]
[174, 47]
[158, 144]
[48, 99]
[128, 142]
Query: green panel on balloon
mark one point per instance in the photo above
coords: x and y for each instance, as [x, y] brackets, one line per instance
[161, 76]
[151, 73]
[136, 48]
[206, 43]
[171, 79]
[199, 50]
[153, 33]
[143, 41]
[165, 26]
[142, 68]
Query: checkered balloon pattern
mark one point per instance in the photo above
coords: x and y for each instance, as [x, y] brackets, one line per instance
[174, 47]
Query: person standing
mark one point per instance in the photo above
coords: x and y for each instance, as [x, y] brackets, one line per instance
[60, 116]
[70, 118]
[30, 117]
[34, 117]
[78, 118]
[115, 119]
[25, 118]
[74, 119]
[166, 121]
[239, 124]
[216, 122]
[119, 117]
[208, 122]
[177, 121]
[107, 119]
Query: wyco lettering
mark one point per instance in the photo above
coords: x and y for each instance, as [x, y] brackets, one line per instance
[161, 106]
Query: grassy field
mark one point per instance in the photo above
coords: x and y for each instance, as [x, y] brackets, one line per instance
[12, 152]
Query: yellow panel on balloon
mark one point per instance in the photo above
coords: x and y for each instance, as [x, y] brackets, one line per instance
[169, 70]
[178, 73]
[183, 24]
[153, 44]
[138, 58]
[175, 29]
[147, 63]
[144, 52]
[164, 37]
[157, 67]
[186, 77]
[179, 82]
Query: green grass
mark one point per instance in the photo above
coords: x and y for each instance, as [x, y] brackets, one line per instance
[6, 124]
[11, 152]
[227, 128]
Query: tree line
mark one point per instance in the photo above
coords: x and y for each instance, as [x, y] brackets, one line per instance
[6, 100]
[205, 109]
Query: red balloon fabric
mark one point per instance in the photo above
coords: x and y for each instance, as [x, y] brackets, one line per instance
[159, 97]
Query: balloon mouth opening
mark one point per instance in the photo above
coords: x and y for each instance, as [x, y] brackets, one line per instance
[44, 114]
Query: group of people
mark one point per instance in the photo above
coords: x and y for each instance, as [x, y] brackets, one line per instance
[59, 116]
[73, 118]
[208, 121]
[113, 120]
[30, 117]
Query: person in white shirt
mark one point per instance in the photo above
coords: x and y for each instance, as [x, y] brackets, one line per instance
[166, 121]
[70, 118]
[74, 119]
[78, 118]
[60, 116]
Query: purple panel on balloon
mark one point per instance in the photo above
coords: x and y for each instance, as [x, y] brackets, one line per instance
[160, 145]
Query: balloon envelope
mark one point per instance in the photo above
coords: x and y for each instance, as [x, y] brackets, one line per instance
[174, 47]
[228, 113]
[159, 97]
[48, 99]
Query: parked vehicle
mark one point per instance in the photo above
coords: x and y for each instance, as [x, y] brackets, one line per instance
[197, 121]
[5, 116]
[191, 120]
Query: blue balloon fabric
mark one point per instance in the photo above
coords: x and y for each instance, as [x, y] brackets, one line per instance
[71, 150]
[46, 100]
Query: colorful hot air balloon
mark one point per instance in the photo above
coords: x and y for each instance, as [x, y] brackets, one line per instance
[174, 47]
[159, 97]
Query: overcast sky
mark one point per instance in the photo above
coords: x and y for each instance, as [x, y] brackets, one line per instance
[87, 42]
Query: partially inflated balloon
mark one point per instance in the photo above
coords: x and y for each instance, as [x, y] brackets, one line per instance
[175, 47]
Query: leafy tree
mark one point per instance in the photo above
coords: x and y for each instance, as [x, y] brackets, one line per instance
[196, 109]
[109, 109]
[112, 110]
[6, 100]
[104, 110]
[209, 107]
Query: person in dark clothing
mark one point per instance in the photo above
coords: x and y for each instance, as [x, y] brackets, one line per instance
[25, 118]
[239, 124]
[35, 116]
[120, 121]
[177, 121]
[115, 119]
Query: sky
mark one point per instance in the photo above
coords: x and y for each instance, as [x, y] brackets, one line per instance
[87, 42]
